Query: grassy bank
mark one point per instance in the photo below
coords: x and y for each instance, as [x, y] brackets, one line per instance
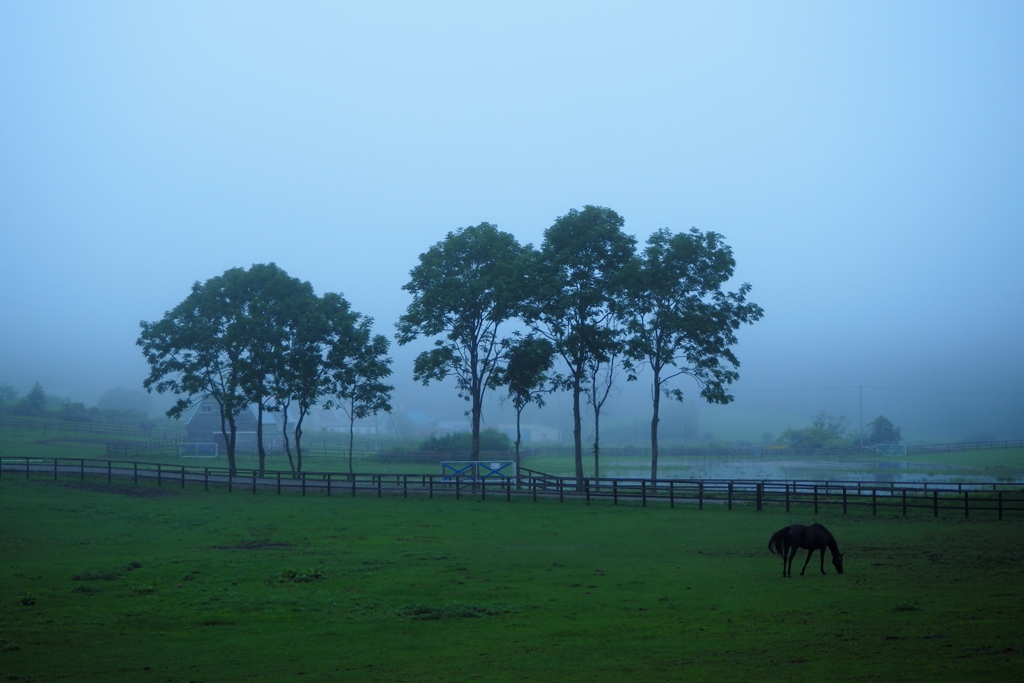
[110, 583]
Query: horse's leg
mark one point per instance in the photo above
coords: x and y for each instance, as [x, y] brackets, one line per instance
[793, 550]
[807, 561]
[822, 560]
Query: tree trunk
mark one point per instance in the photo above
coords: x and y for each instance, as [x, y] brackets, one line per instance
[519, 438]
[298, 441]
[477, 391]
[577, 428]
[654, 424]
[259, 437]
[351, 438]
[227, 430]
[284, 437]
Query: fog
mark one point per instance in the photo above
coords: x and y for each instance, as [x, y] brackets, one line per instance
[864, 162]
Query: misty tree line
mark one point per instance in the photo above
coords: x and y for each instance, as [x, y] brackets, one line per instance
[113, 406]
[262, 338]
[571, 314]
[828, 431]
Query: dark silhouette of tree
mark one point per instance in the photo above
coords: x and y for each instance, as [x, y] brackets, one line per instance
[529, 360]
[358, 373]
[464, 288]
[34, 402]
[225, 341]
[679, 319]
[884, 431]
[573, 284]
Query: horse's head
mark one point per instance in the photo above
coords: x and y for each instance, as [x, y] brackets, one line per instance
[837, 562]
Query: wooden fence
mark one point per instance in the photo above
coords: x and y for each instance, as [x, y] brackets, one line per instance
[931, 497]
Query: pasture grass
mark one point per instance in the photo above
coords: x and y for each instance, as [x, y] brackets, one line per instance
[109, 582]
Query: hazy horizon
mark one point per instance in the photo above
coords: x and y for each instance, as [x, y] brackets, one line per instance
[863, 162]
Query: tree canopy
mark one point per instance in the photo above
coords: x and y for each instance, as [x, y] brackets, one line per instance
[884, 431]
[679, 320]
[464, 288]
[249, 337]
[574, 283]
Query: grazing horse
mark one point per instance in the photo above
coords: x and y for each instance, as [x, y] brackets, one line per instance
[788, 541]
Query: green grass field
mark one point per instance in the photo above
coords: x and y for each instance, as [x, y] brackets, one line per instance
[113, 583]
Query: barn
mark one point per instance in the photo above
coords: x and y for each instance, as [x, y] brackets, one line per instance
[202, 426]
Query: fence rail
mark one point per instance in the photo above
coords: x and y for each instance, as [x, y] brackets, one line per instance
[934, 497]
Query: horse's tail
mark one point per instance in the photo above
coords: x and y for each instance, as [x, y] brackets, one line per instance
[777, 544]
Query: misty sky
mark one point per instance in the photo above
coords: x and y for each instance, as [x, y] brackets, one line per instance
[865, 161]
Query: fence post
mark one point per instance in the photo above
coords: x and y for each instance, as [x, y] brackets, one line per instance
[159, 475]
[935, 502]
[730, 495]
[700, 494]
[672, 493]
[787, 496]
[254, 481]
[967, 504]
[643, 492]
[815, 499]
[615, 491]
[82, 465]
[135, 473]
[874, 502]
[844, 500]
[760, 485]
[206, 478]
[55, 469]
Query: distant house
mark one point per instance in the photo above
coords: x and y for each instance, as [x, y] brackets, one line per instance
[202, 426]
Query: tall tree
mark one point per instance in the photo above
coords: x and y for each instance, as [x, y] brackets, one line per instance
[196, 352]
[525, 374]
[679, 319]
[464, 288]
[273, 309]
[574, 283]
[224, 342]
[601, 372]
[321, 332]
[358, 378]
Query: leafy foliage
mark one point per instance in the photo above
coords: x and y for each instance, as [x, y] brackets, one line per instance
[884, 431]
[464, 288]
[577, 276]
[253, 337]
[680, 321]
[826, 431]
